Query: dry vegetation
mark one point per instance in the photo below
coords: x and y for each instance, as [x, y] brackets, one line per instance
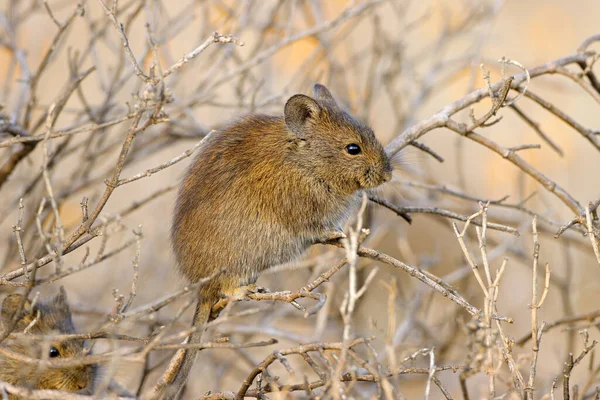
[490, 292]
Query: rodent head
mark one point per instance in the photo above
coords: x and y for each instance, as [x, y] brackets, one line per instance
[337, 148]
[51, 317]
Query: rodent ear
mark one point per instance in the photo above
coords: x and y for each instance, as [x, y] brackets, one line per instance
[10, 306]
[60, 299]
[298, 111]
[323, 95]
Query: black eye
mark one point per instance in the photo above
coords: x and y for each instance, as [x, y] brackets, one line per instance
[54, 352]
[353, 149]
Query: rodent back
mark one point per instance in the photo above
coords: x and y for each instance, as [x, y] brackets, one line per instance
[50, 317]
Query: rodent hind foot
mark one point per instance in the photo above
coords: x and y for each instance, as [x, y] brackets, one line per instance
[331, 237]
[237, 294]
[241, 292]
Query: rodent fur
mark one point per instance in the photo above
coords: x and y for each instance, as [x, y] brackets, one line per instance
[53, 317]
[264, 189]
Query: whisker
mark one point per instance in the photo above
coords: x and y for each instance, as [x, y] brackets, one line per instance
[409, 155]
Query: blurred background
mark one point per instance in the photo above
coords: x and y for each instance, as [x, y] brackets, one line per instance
[391, 63]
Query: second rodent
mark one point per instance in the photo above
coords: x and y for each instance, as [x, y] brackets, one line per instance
[50, 317]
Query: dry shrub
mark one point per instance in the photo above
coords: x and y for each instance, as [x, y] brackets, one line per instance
[491, 291]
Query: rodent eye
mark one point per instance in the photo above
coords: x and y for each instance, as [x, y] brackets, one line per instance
[54, 352]
[353, 149]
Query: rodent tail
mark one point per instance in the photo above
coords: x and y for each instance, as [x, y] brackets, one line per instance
[181, 365]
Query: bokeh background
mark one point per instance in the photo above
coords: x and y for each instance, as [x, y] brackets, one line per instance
[392, 64]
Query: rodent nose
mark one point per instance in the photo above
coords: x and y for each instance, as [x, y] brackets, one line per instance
[83, 380]
[387, 176]
[387, 170]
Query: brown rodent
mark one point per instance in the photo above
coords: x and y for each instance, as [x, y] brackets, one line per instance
[263, 190]
[52, 317]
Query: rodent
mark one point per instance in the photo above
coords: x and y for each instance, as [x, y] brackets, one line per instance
[52, 317]
[264, 189]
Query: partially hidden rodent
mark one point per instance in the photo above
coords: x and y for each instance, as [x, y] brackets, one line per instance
[49, 317]
[264, 189]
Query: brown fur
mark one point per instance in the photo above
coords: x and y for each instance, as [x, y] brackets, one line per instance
[263, 190]
[54, 318]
